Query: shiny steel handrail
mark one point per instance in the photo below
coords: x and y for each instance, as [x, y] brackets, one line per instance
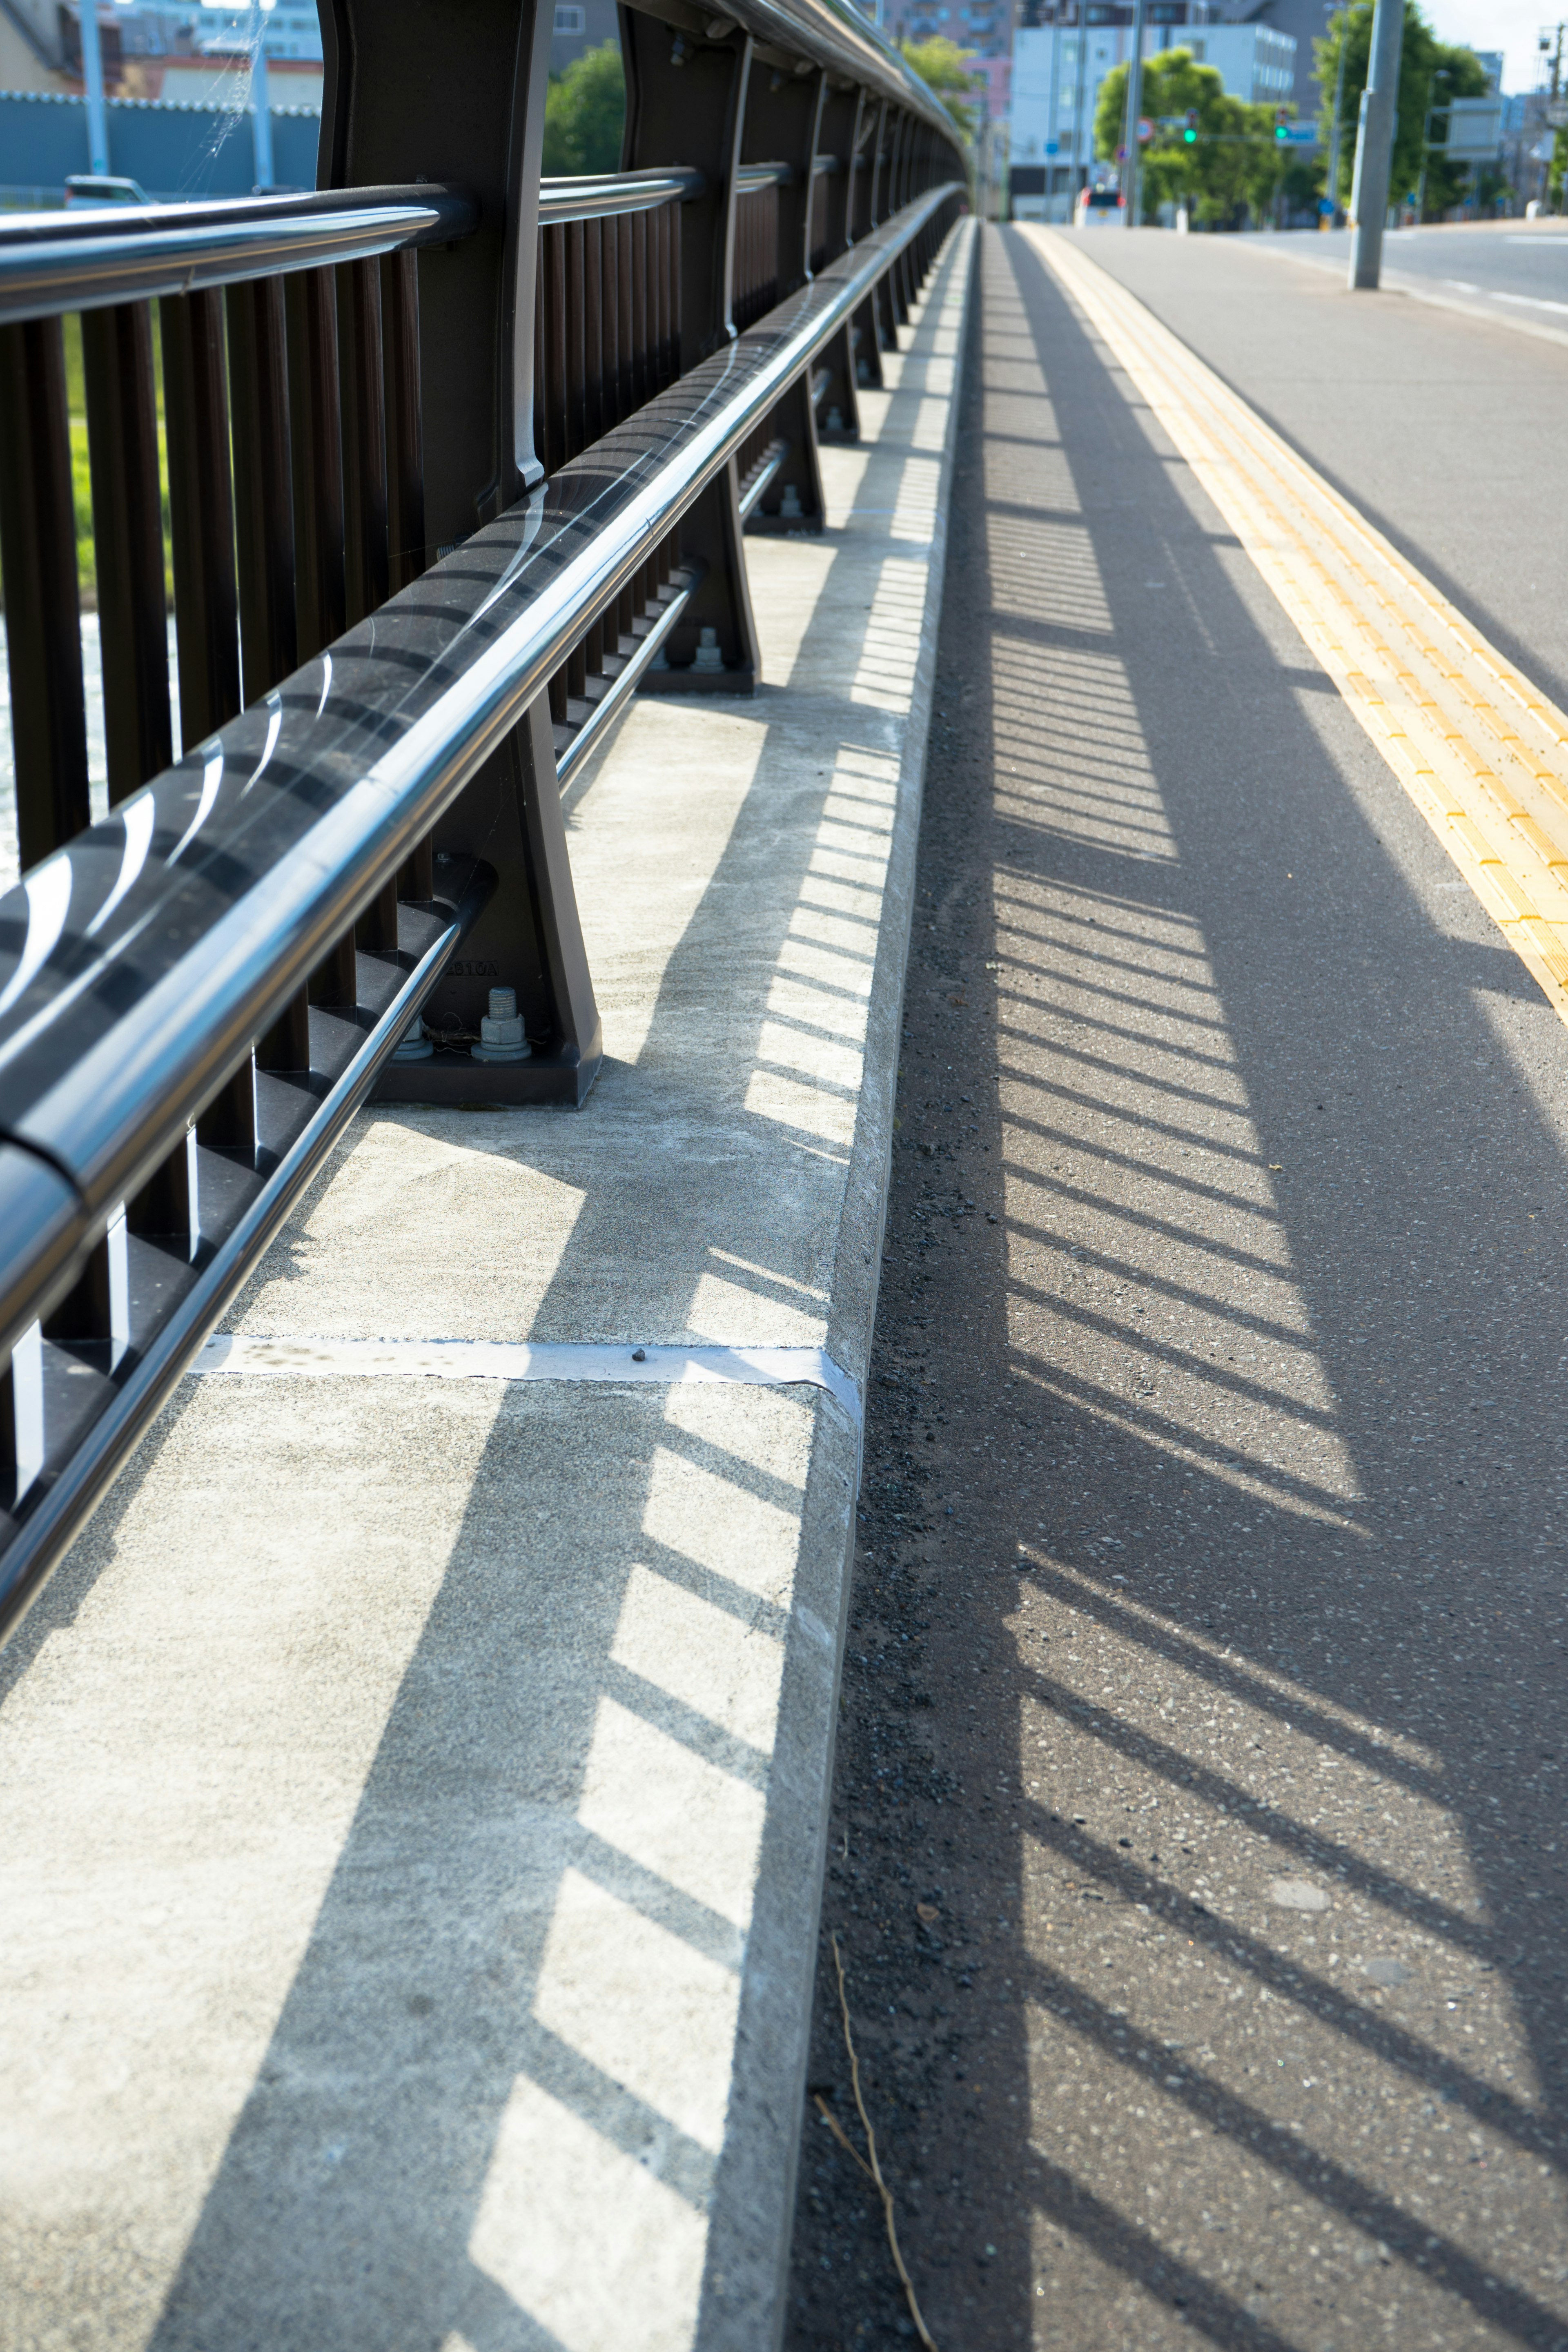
[835, 33]
[751, 178]
[52, 262]
[601, 196]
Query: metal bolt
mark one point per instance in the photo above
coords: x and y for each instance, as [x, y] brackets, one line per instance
[414, 1045]
[501, 1037]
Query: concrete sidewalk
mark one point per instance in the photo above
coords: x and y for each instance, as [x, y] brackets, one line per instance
[413, 1790]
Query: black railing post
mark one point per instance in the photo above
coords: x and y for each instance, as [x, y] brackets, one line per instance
[469, 108]
[866, 211]
[838, 142]
[686, 103]
[782, 121]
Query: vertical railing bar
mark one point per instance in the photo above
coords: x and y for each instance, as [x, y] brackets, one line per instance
[364, 437]
[263, 485]
[37, 545]
[407, 555]
[128, 543]
[314, 405]
[594, 363]
[201, 510]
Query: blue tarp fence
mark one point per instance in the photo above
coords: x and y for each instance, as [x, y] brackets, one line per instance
[174, 151]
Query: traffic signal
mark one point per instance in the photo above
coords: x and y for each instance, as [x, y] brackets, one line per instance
[1281, 122]
[1191, 133]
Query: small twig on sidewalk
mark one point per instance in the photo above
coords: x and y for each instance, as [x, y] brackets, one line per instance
[873, 2171]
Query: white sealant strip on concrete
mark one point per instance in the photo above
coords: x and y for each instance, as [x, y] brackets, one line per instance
[520, 1360]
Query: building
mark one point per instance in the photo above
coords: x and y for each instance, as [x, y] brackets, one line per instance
[581, 25]
[1052, 143]
[198, 54]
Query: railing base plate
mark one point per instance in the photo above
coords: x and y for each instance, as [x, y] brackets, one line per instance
[699, 681]
[452, 1080]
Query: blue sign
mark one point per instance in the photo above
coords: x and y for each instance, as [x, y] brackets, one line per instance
[1297, 134]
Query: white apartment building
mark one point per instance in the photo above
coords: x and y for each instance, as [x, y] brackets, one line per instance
[1052, 146]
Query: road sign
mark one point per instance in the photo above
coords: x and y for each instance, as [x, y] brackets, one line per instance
[1475, 129]
[1053, 146]
[1297, 134]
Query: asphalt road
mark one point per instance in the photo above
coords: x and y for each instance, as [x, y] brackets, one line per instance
[1198, 1847]
[1521, 268]
[1444, 427]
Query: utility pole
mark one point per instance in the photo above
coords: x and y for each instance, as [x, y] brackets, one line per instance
[1333, 186]
[1077, 154]
[92, 82]
[1374, 145]
[1134, 110]
[1053, 139]
[261, 112]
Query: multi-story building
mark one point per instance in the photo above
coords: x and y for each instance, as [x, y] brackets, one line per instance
[581, 25]
[1052, 137]
[983, 27]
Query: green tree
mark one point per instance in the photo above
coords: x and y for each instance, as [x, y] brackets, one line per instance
[584, 115]
[948, 71]
[1557, 170]
[1233, 166]
[1418, 59]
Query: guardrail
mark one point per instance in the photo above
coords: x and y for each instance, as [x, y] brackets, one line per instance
[454, 464]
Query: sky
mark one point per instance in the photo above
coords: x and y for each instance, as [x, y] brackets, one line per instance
[1512, 25]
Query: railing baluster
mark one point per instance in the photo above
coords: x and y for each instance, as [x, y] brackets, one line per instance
[37, 565]
[321, 589]
[596, 420]
[201, 511]
[576, 339]
[406, 554]
[263, 488]
[365, 438]
[128, 543]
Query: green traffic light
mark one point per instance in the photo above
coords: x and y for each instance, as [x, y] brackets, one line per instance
[1191, 137]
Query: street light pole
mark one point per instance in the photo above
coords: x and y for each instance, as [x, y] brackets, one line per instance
[1374, 145]
[1135, 110]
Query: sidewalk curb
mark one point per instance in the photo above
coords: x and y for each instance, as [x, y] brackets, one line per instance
[751, 2217]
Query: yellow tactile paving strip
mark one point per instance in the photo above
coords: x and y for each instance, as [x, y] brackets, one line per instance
[1482, 753]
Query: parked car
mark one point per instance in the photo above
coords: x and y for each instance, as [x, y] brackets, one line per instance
[97, 188]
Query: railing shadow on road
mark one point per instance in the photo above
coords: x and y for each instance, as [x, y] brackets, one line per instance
[1268, 1637]
[536, 2002]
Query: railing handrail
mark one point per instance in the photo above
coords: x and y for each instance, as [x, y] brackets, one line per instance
[283, 825]
[751, 178]
[600, 195]
[835, 33]
[51, 263]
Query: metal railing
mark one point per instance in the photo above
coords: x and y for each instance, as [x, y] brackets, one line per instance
[453, 464]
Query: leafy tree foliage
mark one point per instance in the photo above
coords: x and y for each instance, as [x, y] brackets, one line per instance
[1431, 72]
[585, 114]
[1233, 167]
[948, 71]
